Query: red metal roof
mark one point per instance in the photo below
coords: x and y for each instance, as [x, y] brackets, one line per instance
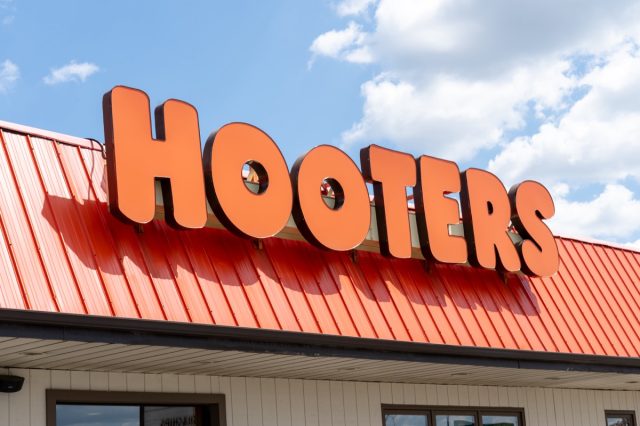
[62, 251]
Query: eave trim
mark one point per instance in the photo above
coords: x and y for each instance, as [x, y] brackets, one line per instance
[88, 328]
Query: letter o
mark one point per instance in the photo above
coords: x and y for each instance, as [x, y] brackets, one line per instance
[246, 213]
[343, 227]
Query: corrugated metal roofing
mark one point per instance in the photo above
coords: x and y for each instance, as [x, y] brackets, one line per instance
[62, 251]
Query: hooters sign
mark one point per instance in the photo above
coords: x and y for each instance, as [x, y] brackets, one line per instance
[135, 160]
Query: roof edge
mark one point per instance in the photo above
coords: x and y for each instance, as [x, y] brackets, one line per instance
[88, 328]
[58, 137]
[597, 242]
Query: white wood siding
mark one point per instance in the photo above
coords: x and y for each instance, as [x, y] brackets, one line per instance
[292, 402]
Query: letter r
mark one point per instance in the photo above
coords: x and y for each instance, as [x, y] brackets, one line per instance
[135, 160]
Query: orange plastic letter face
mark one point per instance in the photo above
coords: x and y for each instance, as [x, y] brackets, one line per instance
[135, 159]
[259, 214]
[343, 226]
[530, 203]
[435, 212]
[391, 172]
[486, 212]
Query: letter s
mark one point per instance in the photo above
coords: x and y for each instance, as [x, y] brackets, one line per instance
[530, 204]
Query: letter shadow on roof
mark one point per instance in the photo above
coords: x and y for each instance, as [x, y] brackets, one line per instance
[281, 276]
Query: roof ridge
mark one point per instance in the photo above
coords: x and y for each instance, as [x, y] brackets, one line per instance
[55, 136]
[595, 241]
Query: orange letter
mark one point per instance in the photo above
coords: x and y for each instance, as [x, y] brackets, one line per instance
[135, 159]
[343, 226]
[391, 172]
[249, 214]
[435, 212]
[486, 214]
[530, 203]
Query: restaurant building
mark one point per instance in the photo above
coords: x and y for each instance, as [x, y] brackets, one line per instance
[110, 323]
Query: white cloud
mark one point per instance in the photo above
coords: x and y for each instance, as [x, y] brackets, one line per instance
[73, 71]
[458, 75]
[9, 74]
[461, 77]
[612, 214]
[353, 7]
[598, 139]
[473, 37]
[449, 116]
[347, 44]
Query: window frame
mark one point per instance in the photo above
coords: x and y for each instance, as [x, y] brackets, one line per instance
[58, 396]
[629, 413]
[432, 410]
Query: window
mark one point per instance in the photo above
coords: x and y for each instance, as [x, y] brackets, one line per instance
[451, 416]
[620, 418]
[72, 408]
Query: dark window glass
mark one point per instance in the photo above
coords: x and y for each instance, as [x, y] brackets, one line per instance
[451, 416]
[97, 415]
[131, 415]
[455, 420]
[171, 416]
[406, 420]
[617, 419]
[490, 420]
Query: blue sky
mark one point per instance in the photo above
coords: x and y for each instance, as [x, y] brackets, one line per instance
[234, 61]
[529, 90]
